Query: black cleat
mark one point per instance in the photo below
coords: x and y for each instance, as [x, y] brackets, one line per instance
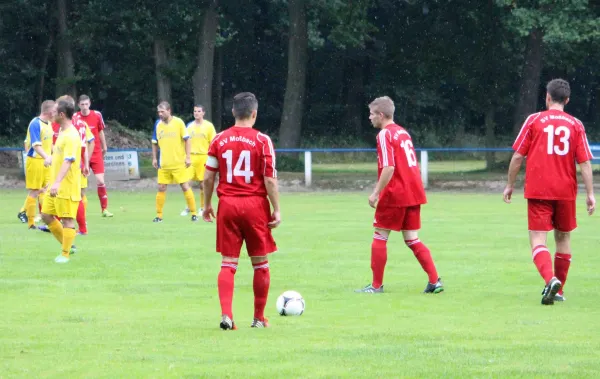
[194, 218]
[22, 216]
[227, 323]
[157, 219]
[436, 287]
[32, 227]
[559, 297]
[550, 291]
[44, 229]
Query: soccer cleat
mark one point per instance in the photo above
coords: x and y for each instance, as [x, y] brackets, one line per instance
[73, 249]
[185, 212]
[22, 216]
[80, 233]
[550, 291]
[106, 213]
[370, 289]
[157, 219]
[194, 218]
[61, 259]
[227, 323]
[44, 229]
[32, 227]
[260, 324]
[437, 287]
[559, 297]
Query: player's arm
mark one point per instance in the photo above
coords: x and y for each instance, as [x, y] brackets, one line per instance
[155, 146]
[103, 141]
[188, 145]
[212, 167]
[387, 160]
[35, 139]
[69, 153]
[513, 170]
[587, 176]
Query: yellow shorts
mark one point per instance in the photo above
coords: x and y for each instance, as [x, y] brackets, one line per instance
[36, 175]
[173, 176]
[84, 181]
[56, 206]
[197, 168]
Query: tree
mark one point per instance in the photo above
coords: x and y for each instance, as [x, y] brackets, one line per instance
[65, 75]
[203, 75]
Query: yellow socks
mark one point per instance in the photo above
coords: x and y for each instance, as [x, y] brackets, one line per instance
[201, 199]
[67, 242]
[30, 205]
[56, 229]
[24, 207]
[41, 199]
[191, 202]
[161, 197]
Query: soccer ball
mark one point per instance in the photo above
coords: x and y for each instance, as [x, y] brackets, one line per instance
[290, 303]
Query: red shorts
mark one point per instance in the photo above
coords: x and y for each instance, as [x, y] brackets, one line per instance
[97, 164]
[244, 219]
[398, 218]
[545, 215]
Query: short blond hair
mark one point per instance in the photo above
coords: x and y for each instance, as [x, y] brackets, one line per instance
[164, 105]
[66, 98]
[46, 106]
[383, 105]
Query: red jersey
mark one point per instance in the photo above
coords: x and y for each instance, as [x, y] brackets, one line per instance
[243, 157]
[82, 129]
[395, 148]
[552, 141]
[96, 123]
[56, 130]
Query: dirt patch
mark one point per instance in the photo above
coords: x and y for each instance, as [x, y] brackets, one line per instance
[9, 159]
[119, 137]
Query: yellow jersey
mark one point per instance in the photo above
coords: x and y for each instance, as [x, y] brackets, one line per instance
[68, 148]
[170, 138]
[201, 136]
[39, 133]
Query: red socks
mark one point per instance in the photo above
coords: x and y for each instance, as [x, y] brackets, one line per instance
[225, 283]
[543, 261]
[423, 255]
[103, 196]
[378, 258]
[562, 262]
[261, 283]
[81, 218]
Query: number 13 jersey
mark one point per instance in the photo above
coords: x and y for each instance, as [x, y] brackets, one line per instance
[243, 157]
[552, 141]
[395, 149]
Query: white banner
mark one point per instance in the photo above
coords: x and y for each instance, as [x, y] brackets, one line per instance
[121, 165]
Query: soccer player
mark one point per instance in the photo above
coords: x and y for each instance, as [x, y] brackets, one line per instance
[39, 159]
[397, 197]
[245, 161]
[96, 123]
[87, 146]
[170, 136]
[201, 133]
[552, 141]
[65, 190]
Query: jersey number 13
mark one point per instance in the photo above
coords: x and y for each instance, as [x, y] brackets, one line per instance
[562, 147]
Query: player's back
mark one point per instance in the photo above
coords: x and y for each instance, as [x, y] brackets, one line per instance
[553, 141]
[395, 148]
[244, 158]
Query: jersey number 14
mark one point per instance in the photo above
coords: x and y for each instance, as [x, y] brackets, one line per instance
[561, 148]
[243, 160]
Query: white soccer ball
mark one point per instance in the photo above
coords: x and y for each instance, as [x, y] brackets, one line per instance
[290, 303]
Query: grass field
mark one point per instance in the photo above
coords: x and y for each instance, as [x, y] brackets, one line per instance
[139, 299]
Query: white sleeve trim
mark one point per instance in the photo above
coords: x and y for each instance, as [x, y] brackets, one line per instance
[212, 162]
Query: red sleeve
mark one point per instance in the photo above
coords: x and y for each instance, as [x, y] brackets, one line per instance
[101, 125]
[268, 156]
[523, 141]
[384, 140]
[583, 153]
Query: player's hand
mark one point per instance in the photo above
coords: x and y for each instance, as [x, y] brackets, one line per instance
[275, 220]
[104, 150]
[155, 164]
[373, 199]
[188, 162]
[208, 214]
[54, 190]
[507, 194]
[591, 204]
[48, 161]
[86, 171]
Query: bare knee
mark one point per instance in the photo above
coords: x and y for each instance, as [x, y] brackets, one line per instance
[562, 236]
[410, 235]
[257, 260]
[185, 186]
[100, 179]
[47, 218]
[162, 188]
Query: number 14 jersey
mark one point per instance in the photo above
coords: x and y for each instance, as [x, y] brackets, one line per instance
[552, 141]
[243, 157]
[395, 148]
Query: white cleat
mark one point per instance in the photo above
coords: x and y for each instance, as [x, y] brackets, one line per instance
[61, 259]
[185, 212]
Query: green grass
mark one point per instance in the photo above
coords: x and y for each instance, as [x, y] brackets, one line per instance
[139, 300]
[369, 168]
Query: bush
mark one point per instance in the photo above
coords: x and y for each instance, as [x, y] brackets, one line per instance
[289, 163]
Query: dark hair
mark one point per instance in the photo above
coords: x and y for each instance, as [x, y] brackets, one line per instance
[66, 105]
[243, 105]
[83, 98]
[199, 106]
[559, 90]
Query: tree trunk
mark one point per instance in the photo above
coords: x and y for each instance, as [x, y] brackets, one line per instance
[65, 75]
[490, 137]
[203, 75]
[161, 61]
[530, 80]
[354, 101]
[218, 88]
[43, 68]
[293, 103]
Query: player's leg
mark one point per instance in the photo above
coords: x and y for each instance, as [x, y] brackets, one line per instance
[30, 206]
[81, 210]
[182, 177]
[48, 212]
[161, 197]
[565, 221]
[201, 184]
[67, 208]
[97, 167]
[22, 215]
[229, 244]
[201, 168]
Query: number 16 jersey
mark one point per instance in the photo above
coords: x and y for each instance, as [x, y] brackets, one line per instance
[395, 149]
[552, 141]
[243, 157]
